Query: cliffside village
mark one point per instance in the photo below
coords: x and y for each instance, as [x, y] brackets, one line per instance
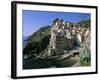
[66, 36]
[66, 45]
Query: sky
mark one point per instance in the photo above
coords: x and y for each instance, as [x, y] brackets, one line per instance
[34, 20]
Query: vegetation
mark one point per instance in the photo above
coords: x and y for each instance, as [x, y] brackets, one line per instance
[38, 35]
[38, 41]
[85, 23]
[85, 57]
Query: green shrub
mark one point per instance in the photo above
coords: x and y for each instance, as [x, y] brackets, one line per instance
[85, 57]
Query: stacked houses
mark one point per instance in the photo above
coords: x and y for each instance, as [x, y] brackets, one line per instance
[66, 36]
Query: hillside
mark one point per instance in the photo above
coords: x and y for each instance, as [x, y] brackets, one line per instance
[43, 31]
[86, 23]
[35, 43]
